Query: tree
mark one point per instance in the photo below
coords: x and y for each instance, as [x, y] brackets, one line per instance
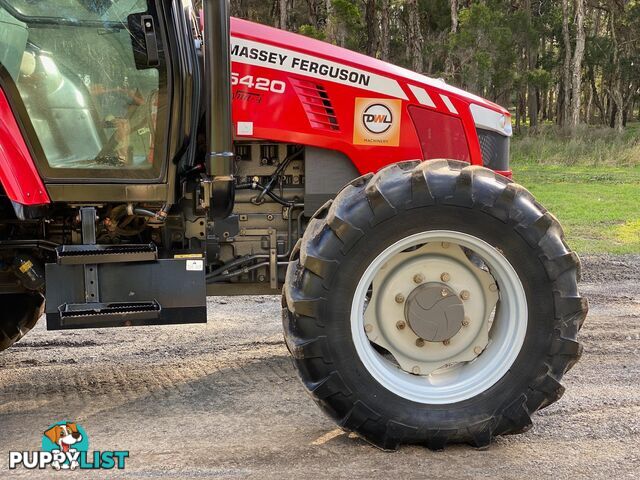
[454, 16]
[284, 14]
[576, 74]
[385, 35]
[415, 40]
[566, 66]
[372, 27]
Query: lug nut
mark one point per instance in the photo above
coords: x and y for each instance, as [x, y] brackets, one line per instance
[444, 292]
[465, 295]
[446, 342]
[493, 287]
[399, 298]
[416, 370]
[419, 342]
[477, 350]
[445, 244]
[400, 325]
[368, 328]
[466, 322]
[419, 278]
[445, 277]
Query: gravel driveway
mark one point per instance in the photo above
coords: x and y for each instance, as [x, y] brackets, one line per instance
[222, 400]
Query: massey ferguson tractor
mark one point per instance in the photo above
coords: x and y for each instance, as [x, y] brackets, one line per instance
[146, 163]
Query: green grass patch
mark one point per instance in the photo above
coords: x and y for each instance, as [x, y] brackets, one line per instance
[590, 181]
[590, 146]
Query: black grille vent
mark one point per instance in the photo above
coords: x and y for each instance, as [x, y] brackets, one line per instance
[495, 150]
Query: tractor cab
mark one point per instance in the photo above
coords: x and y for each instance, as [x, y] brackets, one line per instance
[105, 93]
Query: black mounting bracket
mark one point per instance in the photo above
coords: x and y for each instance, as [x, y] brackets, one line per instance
[91, 287]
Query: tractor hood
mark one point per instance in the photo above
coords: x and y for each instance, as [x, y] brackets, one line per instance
[324, 61]
[288, 88]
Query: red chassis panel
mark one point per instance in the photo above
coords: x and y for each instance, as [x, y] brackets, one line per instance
[18, 174]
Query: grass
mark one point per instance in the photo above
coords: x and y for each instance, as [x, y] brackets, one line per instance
[591, 183]
[590, 146]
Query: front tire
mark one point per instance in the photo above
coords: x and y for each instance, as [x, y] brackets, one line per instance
[365, 382]
[19, 314]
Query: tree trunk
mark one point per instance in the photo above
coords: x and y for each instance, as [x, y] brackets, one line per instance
[616, 94]
[315, 7]
[566, 66]
[518, 120]
[449, 66]
[415, 35]
[531, 60]
[239, 8]
[330, 27]
[385, 40]
[371, 21]
[284, 14]
[618, 120]
[576, 74]
[454, 16]
[596, 96]
[588, 111]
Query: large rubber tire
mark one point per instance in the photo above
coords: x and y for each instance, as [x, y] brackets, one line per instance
[19, 313]
[372, 213]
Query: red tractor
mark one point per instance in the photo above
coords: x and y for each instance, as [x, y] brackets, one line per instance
[145, 164]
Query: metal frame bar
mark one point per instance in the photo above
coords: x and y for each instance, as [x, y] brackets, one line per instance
[91, 285]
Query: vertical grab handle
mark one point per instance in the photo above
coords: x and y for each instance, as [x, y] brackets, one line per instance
[151, 42]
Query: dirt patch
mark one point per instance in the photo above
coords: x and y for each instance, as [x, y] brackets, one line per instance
[222, 400]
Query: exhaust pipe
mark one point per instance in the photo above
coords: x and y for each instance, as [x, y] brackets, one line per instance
[217, 60]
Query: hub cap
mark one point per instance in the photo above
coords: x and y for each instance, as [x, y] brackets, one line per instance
[439, 317]
[434, 312]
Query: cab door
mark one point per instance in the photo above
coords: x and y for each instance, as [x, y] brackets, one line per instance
[92, 78]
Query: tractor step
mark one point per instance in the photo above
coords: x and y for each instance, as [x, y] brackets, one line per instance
[108, 314]
[161, 292]
[100, 254]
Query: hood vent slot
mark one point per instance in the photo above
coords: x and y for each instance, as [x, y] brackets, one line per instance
[316, 104]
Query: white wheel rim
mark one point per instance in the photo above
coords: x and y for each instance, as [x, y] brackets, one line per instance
[466, 380]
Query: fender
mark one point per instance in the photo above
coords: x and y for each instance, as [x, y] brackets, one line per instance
[18, 174]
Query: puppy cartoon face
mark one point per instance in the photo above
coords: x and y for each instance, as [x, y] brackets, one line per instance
[64, 435]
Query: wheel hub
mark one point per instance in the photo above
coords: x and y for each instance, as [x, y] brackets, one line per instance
[443, 297]
[434, 312]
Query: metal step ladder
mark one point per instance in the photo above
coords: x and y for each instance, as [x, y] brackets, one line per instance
[139, 287]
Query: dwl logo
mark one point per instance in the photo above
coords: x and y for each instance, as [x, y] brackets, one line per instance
[377, 118]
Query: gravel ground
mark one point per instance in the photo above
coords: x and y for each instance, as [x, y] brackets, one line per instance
[222, 400]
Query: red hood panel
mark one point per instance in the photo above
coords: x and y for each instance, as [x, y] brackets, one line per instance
[318, 49]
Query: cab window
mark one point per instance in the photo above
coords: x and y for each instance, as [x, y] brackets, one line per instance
[95, 98]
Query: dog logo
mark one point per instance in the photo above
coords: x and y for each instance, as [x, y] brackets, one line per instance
[65, 446]
[66, 438]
